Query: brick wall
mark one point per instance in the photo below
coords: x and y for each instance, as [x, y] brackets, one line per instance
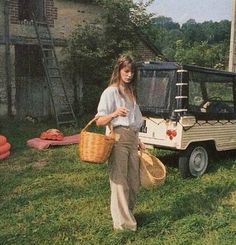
[3, 91]
[2, 70]
[71, 14]
[50, 12]
[3, 94]
[146, 54]
[62, 16]
[1, 19]
[14, 10]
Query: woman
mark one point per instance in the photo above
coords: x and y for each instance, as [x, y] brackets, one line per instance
[118, 108]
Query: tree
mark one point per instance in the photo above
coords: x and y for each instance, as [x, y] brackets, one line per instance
[203, 54]
[165, 22]
[193, 32]
[216, 31]
[204, 43]
[164, 33]
[91, 50]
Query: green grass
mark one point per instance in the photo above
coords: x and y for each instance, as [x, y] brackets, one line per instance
[50, 197]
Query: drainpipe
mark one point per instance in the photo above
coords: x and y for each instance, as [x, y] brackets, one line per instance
[7, 57]
[232, 51]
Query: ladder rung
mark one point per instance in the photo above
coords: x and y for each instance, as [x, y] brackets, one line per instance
[47, 49]
[47, 42]
[65, 113]
[53, 67]
[55, 76]
[65, 122]
[41, 23]
[65, 104]
[48, 60]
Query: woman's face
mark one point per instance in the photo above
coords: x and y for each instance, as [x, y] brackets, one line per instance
[126, 74]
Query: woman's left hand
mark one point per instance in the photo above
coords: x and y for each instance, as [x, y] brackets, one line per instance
[141, 146]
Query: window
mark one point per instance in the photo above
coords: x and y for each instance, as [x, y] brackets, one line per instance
[210, 93]
[153, 90]
[28, 61]
[29, 7]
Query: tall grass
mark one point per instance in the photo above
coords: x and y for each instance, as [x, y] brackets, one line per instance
[50, 197]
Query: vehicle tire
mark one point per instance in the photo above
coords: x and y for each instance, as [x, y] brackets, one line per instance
[193, 161]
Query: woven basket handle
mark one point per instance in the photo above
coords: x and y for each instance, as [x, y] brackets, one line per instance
[141, 152]
[148, 153]
[89, 123]
[93, 120]
[145, 151]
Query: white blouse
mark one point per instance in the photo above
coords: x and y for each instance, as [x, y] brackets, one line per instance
[110, 100]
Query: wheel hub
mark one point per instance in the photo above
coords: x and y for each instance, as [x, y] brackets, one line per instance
[198, 161]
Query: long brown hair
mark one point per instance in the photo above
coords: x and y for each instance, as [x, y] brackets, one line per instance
[123, 61]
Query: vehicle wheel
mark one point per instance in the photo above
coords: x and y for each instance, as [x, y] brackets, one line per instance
[193, 161]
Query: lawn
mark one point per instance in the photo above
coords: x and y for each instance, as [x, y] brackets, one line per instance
[50, 197]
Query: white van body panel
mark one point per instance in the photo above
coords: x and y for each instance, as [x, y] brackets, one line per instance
[222, 133]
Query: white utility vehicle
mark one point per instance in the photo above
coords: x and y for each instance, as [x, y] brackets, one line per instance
[187, 108]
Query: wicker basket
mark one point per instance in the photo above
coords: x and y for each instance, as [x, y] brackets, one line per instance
[152, 170]
[95, 147]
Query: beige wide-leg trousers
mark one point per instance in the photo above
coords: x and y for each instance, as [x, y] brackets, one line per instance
[124, 178]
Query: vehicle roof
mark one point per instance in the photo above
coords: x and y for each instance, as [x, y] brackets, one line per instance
[159, 65]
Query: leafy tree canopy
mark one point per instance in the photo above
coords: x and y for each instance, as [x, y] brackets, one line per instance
[92, 49]
[204, 43]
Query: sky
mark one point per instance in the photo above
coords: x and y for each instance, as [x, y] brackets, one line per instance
[201, 10]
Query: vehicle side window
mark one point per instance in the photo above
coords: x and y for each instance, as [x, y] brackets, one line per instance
[210, 93]
[195, 96]
[220, 97]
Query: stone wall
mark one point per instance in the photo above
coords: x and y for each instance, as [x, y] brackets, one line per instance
[63, 17]
[71, 14]
[3, 91]
[3, 82]
[1, 19]
[3, 94]
[50, 12]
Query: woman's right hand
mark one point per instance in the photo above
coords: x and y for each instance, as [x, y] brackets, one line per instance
[104, 120]
[120, 111]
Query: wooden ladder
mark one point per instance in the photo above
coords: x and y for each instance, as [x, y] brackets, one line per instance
[61, 105]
